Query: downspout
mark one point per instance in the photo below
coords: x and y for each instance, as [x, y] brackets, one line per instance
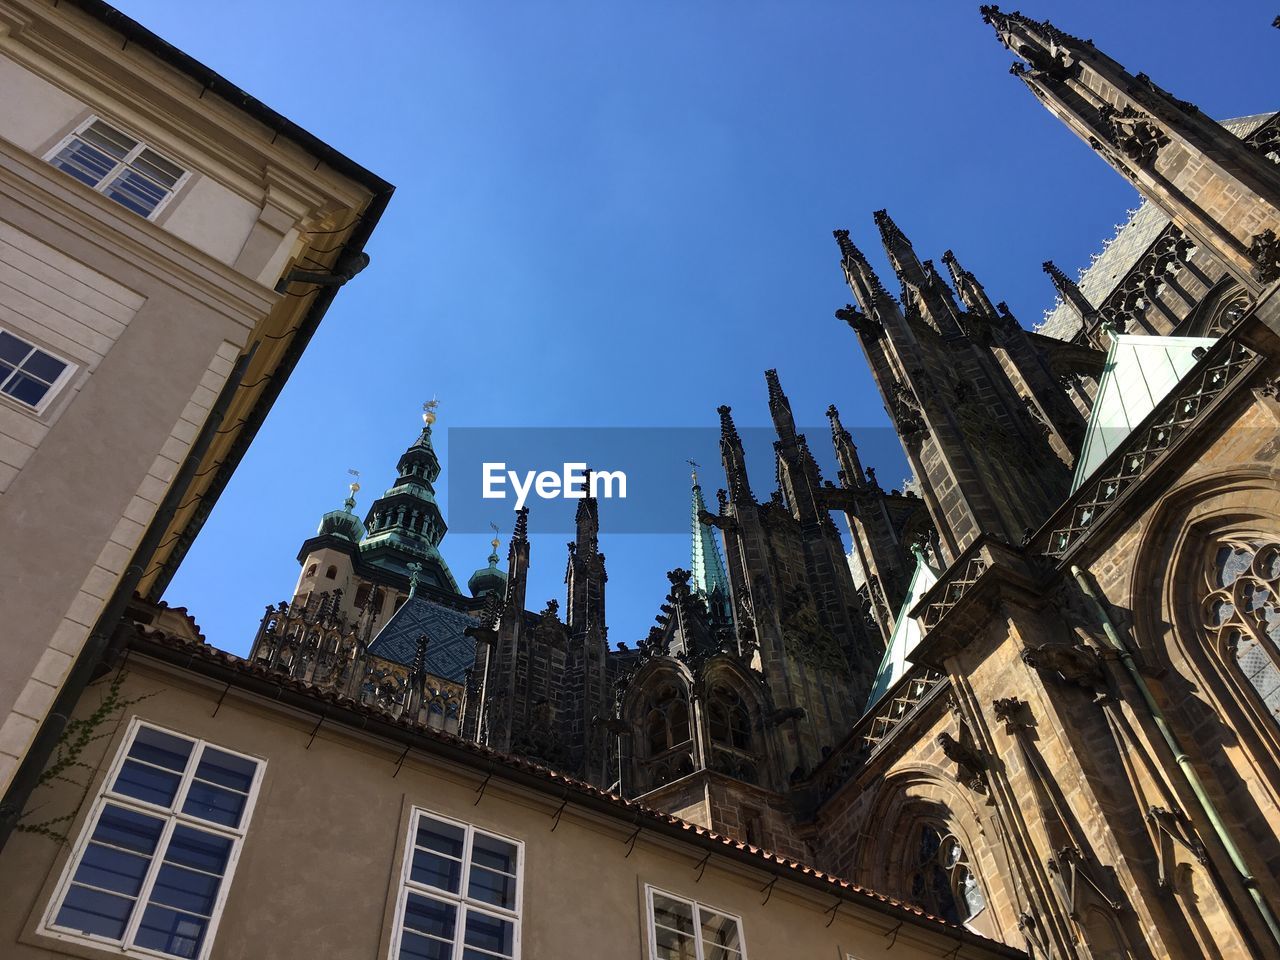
[92, 654]
[1083, 578]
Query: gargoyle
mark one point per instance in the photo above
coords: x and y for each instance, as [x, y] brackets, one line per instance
[1071, 663]
[973, 769]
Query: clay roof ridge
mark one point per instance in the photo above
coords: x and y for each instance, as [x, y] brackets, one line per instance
[211, 653]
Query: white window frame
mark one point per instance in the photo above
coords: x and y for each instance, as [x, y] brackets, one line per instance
[109, 177]
[174, 817]
[698, 907]
[459, 899]
[55, 388]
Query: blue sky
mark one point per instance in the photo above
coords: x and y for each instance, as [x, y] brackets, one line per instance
[620, 214]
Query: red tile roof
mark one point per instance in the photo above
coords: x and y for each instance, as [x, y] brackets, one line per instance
[193, 655]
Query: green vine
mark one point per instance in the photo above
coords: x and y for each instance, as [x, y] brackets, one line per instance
[68, 758]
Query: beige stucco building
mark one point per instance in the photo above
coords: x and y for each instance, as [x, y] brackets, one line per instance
[150, 215]
[258, 786]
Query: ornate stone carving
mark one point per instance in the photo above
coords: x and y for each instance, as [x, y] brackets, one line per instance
[1265, 252]
[1144, 448]
[972, 770]
[807, 639]
[864, 326]
[1072, 663]
[1034, 932]
[1133, 132]
[1009, 710]
[1172, 827]
[1075, 879]
[905, 411]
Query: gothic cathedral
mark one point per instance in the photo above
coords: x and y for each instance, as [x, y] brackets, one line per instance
[1040, 695]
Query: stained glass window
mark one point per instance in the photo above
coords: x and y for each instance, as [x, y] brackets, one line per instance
[1241, 611]
[942, 882]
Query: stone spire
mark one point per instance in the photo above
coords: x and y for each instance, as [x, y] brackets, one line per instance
[922, 287]
[733, 457]
[971, 292]
[1179, 159]
[846, 452]
[1072, 296]
[958, 409]
[863, 280]
[585, 574]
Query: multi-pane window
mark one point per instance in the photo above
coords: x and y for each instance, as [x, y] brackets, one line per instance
[28, 374]
[151, 870]
[667, 736]
[460, 894]
[118, 165]
[942, 882]
[1242, 609]
[682, 929]
[729, 723]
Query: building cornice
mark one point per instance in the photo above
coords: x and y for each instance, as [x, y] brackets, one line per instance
[79, 45]
[51, 195]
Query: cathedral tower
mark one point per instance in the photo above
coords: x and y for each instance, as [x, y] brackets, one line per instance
[985, 460]
[1216, 189]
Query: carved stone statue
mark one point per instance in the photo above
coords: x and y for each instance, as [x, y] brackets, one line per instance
[973, 768]
[1072, 663]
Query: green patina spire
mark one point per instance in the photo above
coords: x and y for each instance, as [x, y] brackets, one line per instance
[489, 579]
[405, 524]
[344, 523]
[710, 582]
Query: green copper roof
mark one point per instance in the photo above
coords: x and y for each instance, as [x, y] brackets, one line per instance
[906, 635]
[405, 524]
[1140, 372]
[490, 578]
[708, 569]
[341, 523]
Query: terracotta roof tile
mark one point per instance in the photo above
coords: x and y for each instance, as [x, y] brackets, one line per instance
[206, 652]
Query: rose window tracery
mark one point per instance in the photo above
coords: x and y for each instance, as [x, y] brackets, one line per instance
[942, 882]
[1242, 612]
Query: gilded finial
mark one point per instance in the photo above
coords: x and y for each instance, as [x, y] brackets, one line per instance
[495, 542]
[354, 488]
[429, 411]
[693, 471]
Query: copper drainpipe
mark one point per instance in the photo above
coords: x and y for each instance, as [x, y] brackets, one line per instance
[1250, 883]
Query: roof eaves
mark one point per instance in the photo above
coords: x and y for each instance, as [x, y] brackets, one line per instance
[209, 661]
[213, 82]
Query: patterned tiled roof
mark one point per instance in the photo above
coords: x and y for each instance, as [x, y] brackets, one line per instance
[1132, 239]
[203, 657]
[450, 652]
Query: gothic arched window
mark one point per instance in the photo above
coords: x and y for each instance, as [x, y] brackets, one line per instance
[942, 882]
[331, 573]
[729, 726]
[311, 571]
[1228, 314]
[729, 719]
[666, 736]
[1242, 612]
[667, 722]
